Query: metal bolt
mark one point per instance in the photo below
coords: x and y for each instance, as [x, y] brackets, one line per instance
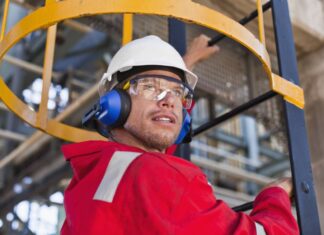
[305, 187]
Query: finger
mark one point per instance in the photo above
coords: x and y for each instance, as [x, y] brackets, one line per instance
[216, 48]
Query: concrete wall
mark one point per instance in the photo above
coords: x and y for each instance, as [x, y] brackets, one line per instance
[311, 71]
[308, 24]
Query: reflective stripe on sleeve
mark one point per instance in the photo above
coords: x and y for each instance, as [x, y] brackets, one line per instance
[114, 172]
[259, 229]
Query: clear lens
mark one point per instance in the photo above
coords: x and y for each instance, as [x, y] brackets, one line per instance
[157, 87]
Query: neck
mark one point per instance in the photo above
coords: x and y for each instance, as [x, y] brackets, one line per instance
[124, 137]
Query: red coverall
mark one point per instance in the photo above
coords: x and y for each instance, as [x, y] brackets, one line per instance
[119, 189]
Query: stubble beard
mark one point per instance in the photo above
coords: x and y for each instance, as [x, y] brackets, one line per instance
[153, 139]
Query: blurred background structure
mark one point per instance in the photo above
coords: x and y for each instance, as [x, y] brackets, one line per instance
[239, 156]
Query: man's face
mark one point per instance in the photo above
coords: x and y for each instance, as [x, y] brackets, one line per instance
[155, 123]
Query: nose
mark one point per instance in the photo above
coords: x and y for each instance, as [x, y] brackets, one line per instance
[167, 100]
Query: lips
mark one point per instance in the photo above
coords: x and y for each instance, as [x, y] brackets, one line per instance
[164, 118]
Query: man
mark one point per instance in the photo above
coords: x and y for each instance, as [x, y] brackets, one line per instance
[129, 185]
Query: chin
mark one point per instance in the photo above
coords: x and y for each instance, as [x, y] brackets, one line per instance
[161, 140]
[153, 137]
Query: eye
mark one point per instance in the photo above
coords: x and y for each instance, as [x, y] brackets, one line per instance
[148, 87]
[178, 92]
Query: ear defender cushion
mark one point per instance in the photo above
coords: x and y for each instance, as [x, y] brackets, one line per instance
[185, 132]
[115, 107]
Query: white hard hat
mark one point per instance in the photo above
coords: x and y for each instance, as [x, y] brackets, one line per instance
[146, 51]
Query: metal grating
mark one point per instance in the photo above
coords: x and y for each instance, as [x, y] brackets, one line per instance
[224, 75]
[148, 24]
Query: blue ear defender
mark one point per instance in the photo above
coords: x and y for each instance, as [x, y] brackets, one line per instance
[110, 112]
[115, 108]
[185, 134]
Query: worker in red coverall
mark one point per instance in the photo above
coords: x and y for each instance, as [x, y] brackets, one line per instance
[129, 185]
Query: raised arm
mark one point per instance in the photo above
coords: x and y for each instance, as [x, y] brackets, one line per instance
[198, 51]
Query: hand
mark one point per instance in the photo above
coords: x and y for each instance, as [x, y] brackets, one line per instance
[284, 183]
[199, 50]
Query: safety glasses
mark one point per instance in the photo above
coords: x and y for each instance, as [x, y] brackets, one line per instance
[157, 87]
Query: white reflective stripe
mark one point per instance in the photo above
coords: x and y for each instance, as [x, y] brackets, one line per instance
[115, 170]
[259, 229]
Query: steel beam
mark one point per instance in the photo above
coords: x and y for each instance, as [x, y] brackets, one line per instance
[177, 38]
[230, 170]
[177, 35]
[35, 189]
[12, 136]
[3, 107]
[76, 25]
[39, 138]
[298, 146]
[238, 110]
[28, 66]
[221, 153]
[239, 143]
[274, 168]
